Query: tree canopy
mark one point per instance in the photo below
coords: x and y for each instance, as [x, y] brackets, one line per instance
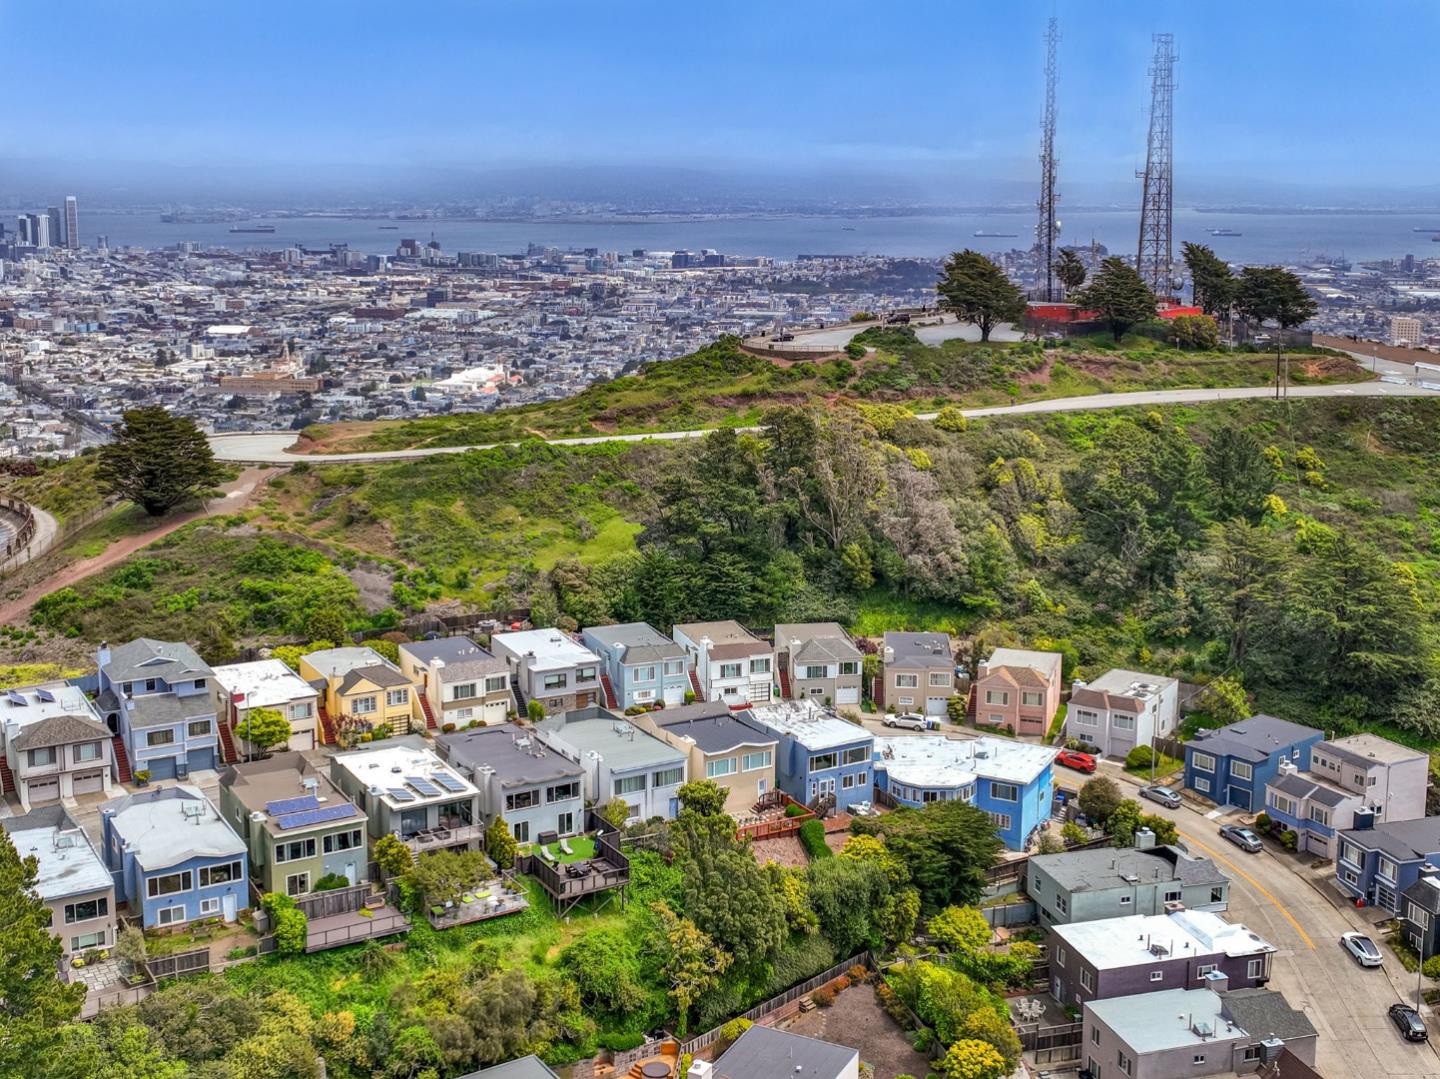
[1117, 292]
[977, 291]
[157, 460]
[1211, 282]
[1069, 270]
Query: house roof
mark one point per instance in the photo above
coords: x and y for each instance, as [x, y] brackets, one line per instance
[168, 825]
[1103, 868]
[721, 634]
[337, 662]
[919, 649]
[382, 675]
[531, 1067]
[635, 642]
[143, 657]
[166, 709]
[389, 768]
[1252, 739]
[768, 1053]
[617, 741]
[1404, 840]
[1047, 664]
[1016, 676]
[1265, 1013]
[811, 725]
[23, 706]
[1135, 687]
[66, 861]
[461, 657]
[1127, 941]
[553, 650]
[265, 683]
[1368, 750]
[814, 642]
[1167, 1019]
[278, 785]
[516, 758]
[933, 760]
[59, 731]
[1287, 1066]
[1316, 789]
[712, 726]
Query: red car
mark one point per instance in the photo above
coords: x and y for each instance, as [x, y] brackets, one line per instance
[1081, 762]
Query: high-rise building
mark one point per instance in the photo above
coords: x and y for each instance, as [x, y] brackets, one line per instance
[72, 223]
[40, 230]
[1405, 330]
[22, 227]
[57, 227]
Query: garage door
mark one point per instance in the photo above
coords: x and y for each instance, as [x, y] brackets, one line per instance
[201, 758]
[935, 706]
[160, 767]
[847, 696]
[89, 782]
[42, 790]
[302, 741]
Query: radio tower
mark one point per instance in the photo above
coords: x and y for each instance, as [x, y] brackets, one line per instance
[1155, 257]
[1047, 228]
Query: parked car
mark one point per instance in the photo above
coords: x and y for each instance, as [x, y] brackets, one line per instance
[900, 319]
[1166, 796]
[1242, 837]
[1362, 948]
[784, 337]
[907, 720]
[1408, 1022]
[1073, 758]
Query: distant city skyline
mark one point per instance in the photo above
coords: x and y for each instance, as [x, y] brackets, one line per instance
[927, 100]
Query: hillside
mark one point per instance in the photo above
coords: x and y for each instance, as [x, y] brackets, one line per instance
[722, 385]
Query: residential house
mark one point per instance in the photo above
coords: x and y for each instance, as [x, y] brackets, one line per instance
[619, 760]
[822, 759]
[1377, 863]
[1232, 765]
[269, 683]
[1011, 781]
[297, 825]
[158, 696]
[531, 1067]
[536, 789]
[550, 667]
[1017, 690]
[819, 660]
[1361, 773]
[360, 690]
[919, 673]
[405, 790]
[53, 743]
[1086, 885]
[173, 857]
[1420, 912]
[769, 1053]
[1149, 953]
[70, 878]
[1123, 709]
[640, 665]
[721, 747]
[727, 662]
[1188, 1032]
[458, 682]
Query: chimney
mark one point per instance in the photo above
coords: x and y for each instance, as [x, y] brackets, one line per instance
[102, 655]
[1144, 838]
[1287, 767]
[1271, 1048]
[1217, 981]
[700, 1069]
[889, 654]
[1077, 685]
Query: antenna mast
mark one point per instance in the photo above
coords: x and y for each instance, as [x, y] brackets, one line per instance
[1047, 228]
[1156, 256]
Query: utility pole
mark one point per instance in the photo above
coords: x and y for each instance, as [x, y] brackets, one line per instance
[1155, 256]
[1047, 228]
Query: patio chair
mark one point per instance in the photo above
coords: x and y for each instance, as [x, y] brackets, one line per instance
[546, 855]
[565, 848]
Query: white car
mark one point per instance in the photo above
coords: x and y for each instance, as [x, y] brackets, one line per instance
[1362, 948]
[908, 720]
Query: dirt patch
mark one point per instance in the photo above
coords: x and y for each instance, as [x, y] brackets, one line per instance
[856, 1020]
[374, 586]
[786, 850]
[1040, 376]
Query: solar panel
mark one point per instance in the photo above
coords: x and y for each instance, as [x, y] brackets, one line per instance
[400, 794]
[282, 806]
[449, 782]
[423, 785]
[17, 698]
[45, 695]
[308, 817]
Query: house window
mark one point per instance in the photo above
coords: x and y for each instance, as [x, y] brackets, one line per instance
[815, 670]
[1204, 969]
[1350, 852]
[211, 875]
[1122, 723]
[1062, 904]
[41, 757]
[297, 884]
[1203, 761]
[861, 778]
[199, 683]
[1320, 815]
[555, 681]
[522, 831]
[584, 674]
[1095, 1035]
[1217, 894]
[303, 710]
[1157, 975]
[169, 915]
[821, 761]
[1126, 900]
[1060, 956]
[629, 785]
[907, 681]
[729, 670]
[160, 738]
[169, 884]
[463, 692]
[1087, 981]
[1085, 718]
[1201, 785]
[1283, 804]
[667, 777]
[394, 698]
[941, 680]
[1172, 895]
[1387, 869]
[87, 751]
[674, 666]
[751, 761]
[996, 717]
[1122, 1061]
[1004, 792]
[849, 666]
[496, 684]
[337, 841]
[1241, 770]
[149, 685]
[1199, 1058]
[565, 823]
[856, 755]
[1032, 699]
[522, 800]
[644, 674]
[209, 907]
[86, 910]
[362, 706]
[905, 702]
[1001, 821]
[198, 728]
[87, 940]
[760, 666]
[995, 696]
[723, 767]
[563, 792]
[294, 850]
[1255, 968]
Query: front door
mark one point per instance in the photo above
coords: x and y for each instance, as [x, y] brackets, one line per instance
[227, 904]
[760, 787]
[352, 875]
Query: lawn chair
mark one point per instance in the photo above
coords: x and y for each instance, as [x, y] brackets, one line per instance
[545, 854]
[565, 848]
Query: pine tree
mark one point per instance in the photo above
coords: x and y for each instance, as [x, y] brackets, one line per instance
[1119, 295]
[1069, 270]
[978, 291]
[157, 461]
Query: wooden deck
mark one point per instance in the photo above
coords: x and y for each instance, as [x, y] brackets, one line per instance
[350, 927]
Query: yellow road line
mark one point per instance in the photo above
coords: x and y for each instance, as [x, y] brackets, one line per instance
[1254, 884]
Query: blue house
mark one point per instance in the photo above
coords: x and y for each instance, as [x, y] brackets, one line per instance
[1232, 765]
[159, 697]
[1011, 781]
[819, 754]
[173, 858]
[1378, 862]
[642, 665]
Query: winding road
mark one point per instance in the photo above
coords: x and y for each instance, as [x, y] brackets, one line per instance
[276, 448]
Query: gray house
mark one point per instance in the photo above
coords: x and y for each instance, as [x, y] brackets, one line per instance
[536, 789]
[457, 681]
[1147, 953]
[619, 760]
[71, 879]
[1086, 885]
[157, 696]
[768, 1053]
[405, 790]
[640, 665]
[1186, 1032]
[919, 672]
[817, 659]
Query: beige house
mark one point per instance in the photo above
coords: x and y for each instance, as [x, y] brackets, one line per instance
[819, 660]
[721, 747]
[458, 682]
[919, 673]
[1017, 689]
[70, 878]
[269, 683]
[54, 744]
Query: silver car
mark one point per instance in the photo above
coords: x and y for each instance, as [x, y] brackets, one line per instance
[1362, 948]
[1166, 796]
[1242, 837]
[908, 720]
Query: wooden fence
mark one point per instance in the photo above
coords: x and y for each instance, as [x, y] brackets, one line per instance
[196, 961]
[1050, 1044]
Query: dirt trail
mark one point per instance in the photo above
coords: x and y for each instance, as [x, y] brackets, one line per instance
[237, 495]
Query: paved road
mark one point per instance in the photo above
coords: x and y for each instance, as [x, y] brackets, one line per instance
[930, 333]
[275, 447]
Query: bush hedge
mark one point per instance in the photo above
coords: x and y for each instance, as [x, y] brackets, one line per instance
[812, 838]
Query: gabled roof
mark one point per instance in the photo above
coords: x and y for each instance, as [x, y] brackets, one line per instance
[1019, 677]
[918, 649]
[383, 676]
[59, 731]
[1106, 867]
[462, 657]
[1403, 840]
[531, 1067]
[635, 642]
[768, 1053]
[174, 661]
[814, 642]
[1305, 785]
[1253, 739]
[166, 709]
[1264, 1013]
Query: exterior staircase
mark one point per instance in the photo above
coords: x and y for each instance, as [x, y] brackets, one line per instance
[430, 724]
[329, 732]
[695, 686]
[122, 760]
[522, 704]
[609, 691]
[785, 684]
[7, 779]
[972, 710]
[227, 743]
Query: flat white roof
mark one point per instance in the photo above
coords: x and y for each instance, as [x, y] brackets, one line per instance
[1024, 657]
[933, 760]
[163, 831]
[392, 770]
[63, 700]
[1128, 941]
[552, 648]
[67, 863]
[1169, 1019]
[808, 723]
[265, 682]
[1125, 683]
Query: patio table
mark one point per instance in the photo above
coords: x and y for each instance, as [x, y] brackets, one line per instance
[655, 1069]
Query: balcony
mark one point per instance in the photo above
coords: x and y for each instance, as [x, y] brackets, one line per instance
[442, 837]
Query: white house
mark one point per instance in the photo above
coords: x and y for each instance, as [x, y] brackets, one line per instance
[1122, 709]
[268, 683]
[728, 662]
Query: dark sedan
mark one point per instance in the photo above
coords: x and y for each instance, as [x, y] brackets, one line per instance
[1408, 1022]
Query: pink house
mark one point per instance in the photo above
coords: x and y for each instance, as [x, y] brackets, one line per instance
[1018, 689]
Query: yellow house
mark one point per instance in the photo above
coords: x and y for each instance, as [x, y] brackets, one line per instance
[359, 690]
[722, 747]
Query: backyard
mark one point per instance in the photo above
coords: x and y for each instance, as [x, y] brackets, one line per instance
[857, 1020]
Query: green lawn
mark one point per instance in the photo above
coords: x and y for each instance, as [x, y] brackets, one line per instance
[582, 847]
[1164, 767]
[1057, 724]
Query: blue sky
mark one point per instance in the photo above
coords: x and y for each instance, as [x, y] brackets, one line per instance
[1327, 93]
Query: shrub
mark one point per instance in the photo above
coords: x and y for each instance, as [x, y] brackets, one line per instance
[812, 838]
[617, 1041]
[1431, 969]
[447, 728]
[392, 856]
[859, 974]
[1290, 840]
[1073, 834]
[823, 997]
[1262, 821]
[1139, 757]
[500, 845]
[331, 881]
[794, 810]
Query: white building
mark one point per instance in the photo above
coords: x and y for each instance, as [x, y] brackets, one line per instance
[729, 662]
[1406, 330]
[268, 683]
[1123, 709]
